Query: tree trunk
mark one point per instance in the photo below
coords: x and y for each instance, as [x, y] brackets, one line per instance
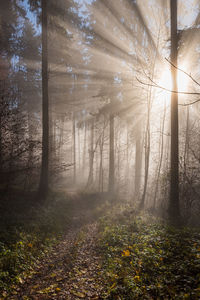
[101, 145]
[91, 157]
[43, 186]
[74, 147]
[111, 157]
[147, 143]
[79, 151]
[138, 163]
[174, 186]
[186, 148]
[161, 146]
[84, 149]
[1, 160]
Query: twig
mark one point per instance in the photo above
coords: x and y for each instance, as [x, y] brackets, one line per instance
[191, 103]
[190, 76]
[154, 84]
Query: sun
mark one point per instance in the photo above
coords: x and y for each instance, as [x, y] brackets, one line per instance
[182, 80]
[166, 80]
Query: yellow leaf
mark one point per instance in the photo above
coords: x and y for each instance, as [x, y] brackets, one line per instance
[78, 294]
[30, 245]
[126, 253]
[59, 279]
[20, 280]
[35, 286]
[58, 289]
[114, 285]
[186, 295]
[137, 277]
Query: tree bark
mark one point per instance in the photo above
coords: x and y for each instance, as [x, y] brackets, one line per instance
[161, 146]
[101, 145]
[74, 148]
[174, 185]
[147, 143]
[84, 149]
[43, 186]
[138, 163]
[91, 157]
[111, 157]
[186, 148]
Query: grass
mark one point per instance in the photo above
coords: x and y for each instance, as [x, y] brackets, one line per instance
[146, 259]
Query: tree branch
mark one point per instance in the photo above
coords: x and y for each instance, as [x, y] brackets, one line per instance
[154, 84]
[190, 76]
[187, 104]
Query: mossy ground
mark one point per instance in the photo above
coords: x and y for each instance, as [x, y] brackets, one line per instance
[146, 259]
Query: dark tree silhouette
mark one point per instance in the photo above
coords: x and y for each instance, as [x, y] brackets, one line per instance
[174, 186]
[43, 186]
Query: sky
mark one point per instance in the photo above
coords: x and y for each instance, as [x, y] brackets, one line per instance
[188, 11]
[32, 17]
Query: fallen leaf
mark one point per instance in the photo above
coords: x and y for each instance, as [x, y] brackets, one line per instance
[126, 253]
[78, 294]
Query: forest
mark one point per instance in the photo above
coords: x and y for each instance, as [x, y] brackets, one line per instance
[99, 149]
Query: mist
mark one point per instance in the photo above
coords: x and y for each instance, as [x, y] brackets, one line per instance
[99, 149]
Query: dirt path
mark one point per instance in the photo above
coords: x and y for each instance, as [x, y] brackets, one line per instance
[72, 270]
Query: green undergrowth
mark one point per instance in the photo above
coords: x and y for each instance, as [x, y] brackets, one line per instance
[27, 232]
[147, 259]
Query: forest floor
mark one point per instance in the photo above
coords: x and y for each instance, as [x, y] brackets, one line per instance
[72, 269]
[106, 252]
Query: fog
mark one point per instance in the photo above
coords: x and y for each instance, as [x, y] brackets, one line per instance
[99, 149]
[109, 86]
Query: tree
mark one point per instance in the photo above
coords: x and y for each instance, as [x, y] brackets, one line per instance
[138, 162]
[174, 170]
[111, 157]
[43, 186]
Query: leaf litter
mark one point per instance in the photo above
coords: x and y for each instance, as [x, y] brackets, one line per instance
[72, 270]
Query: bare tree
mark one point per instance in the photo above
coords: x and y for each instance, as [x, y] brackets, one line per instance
[174, 170]
[44, 180]
[111, 157]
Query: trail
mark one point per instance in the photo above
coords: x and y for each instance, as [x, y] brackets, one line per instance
[72, 269]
